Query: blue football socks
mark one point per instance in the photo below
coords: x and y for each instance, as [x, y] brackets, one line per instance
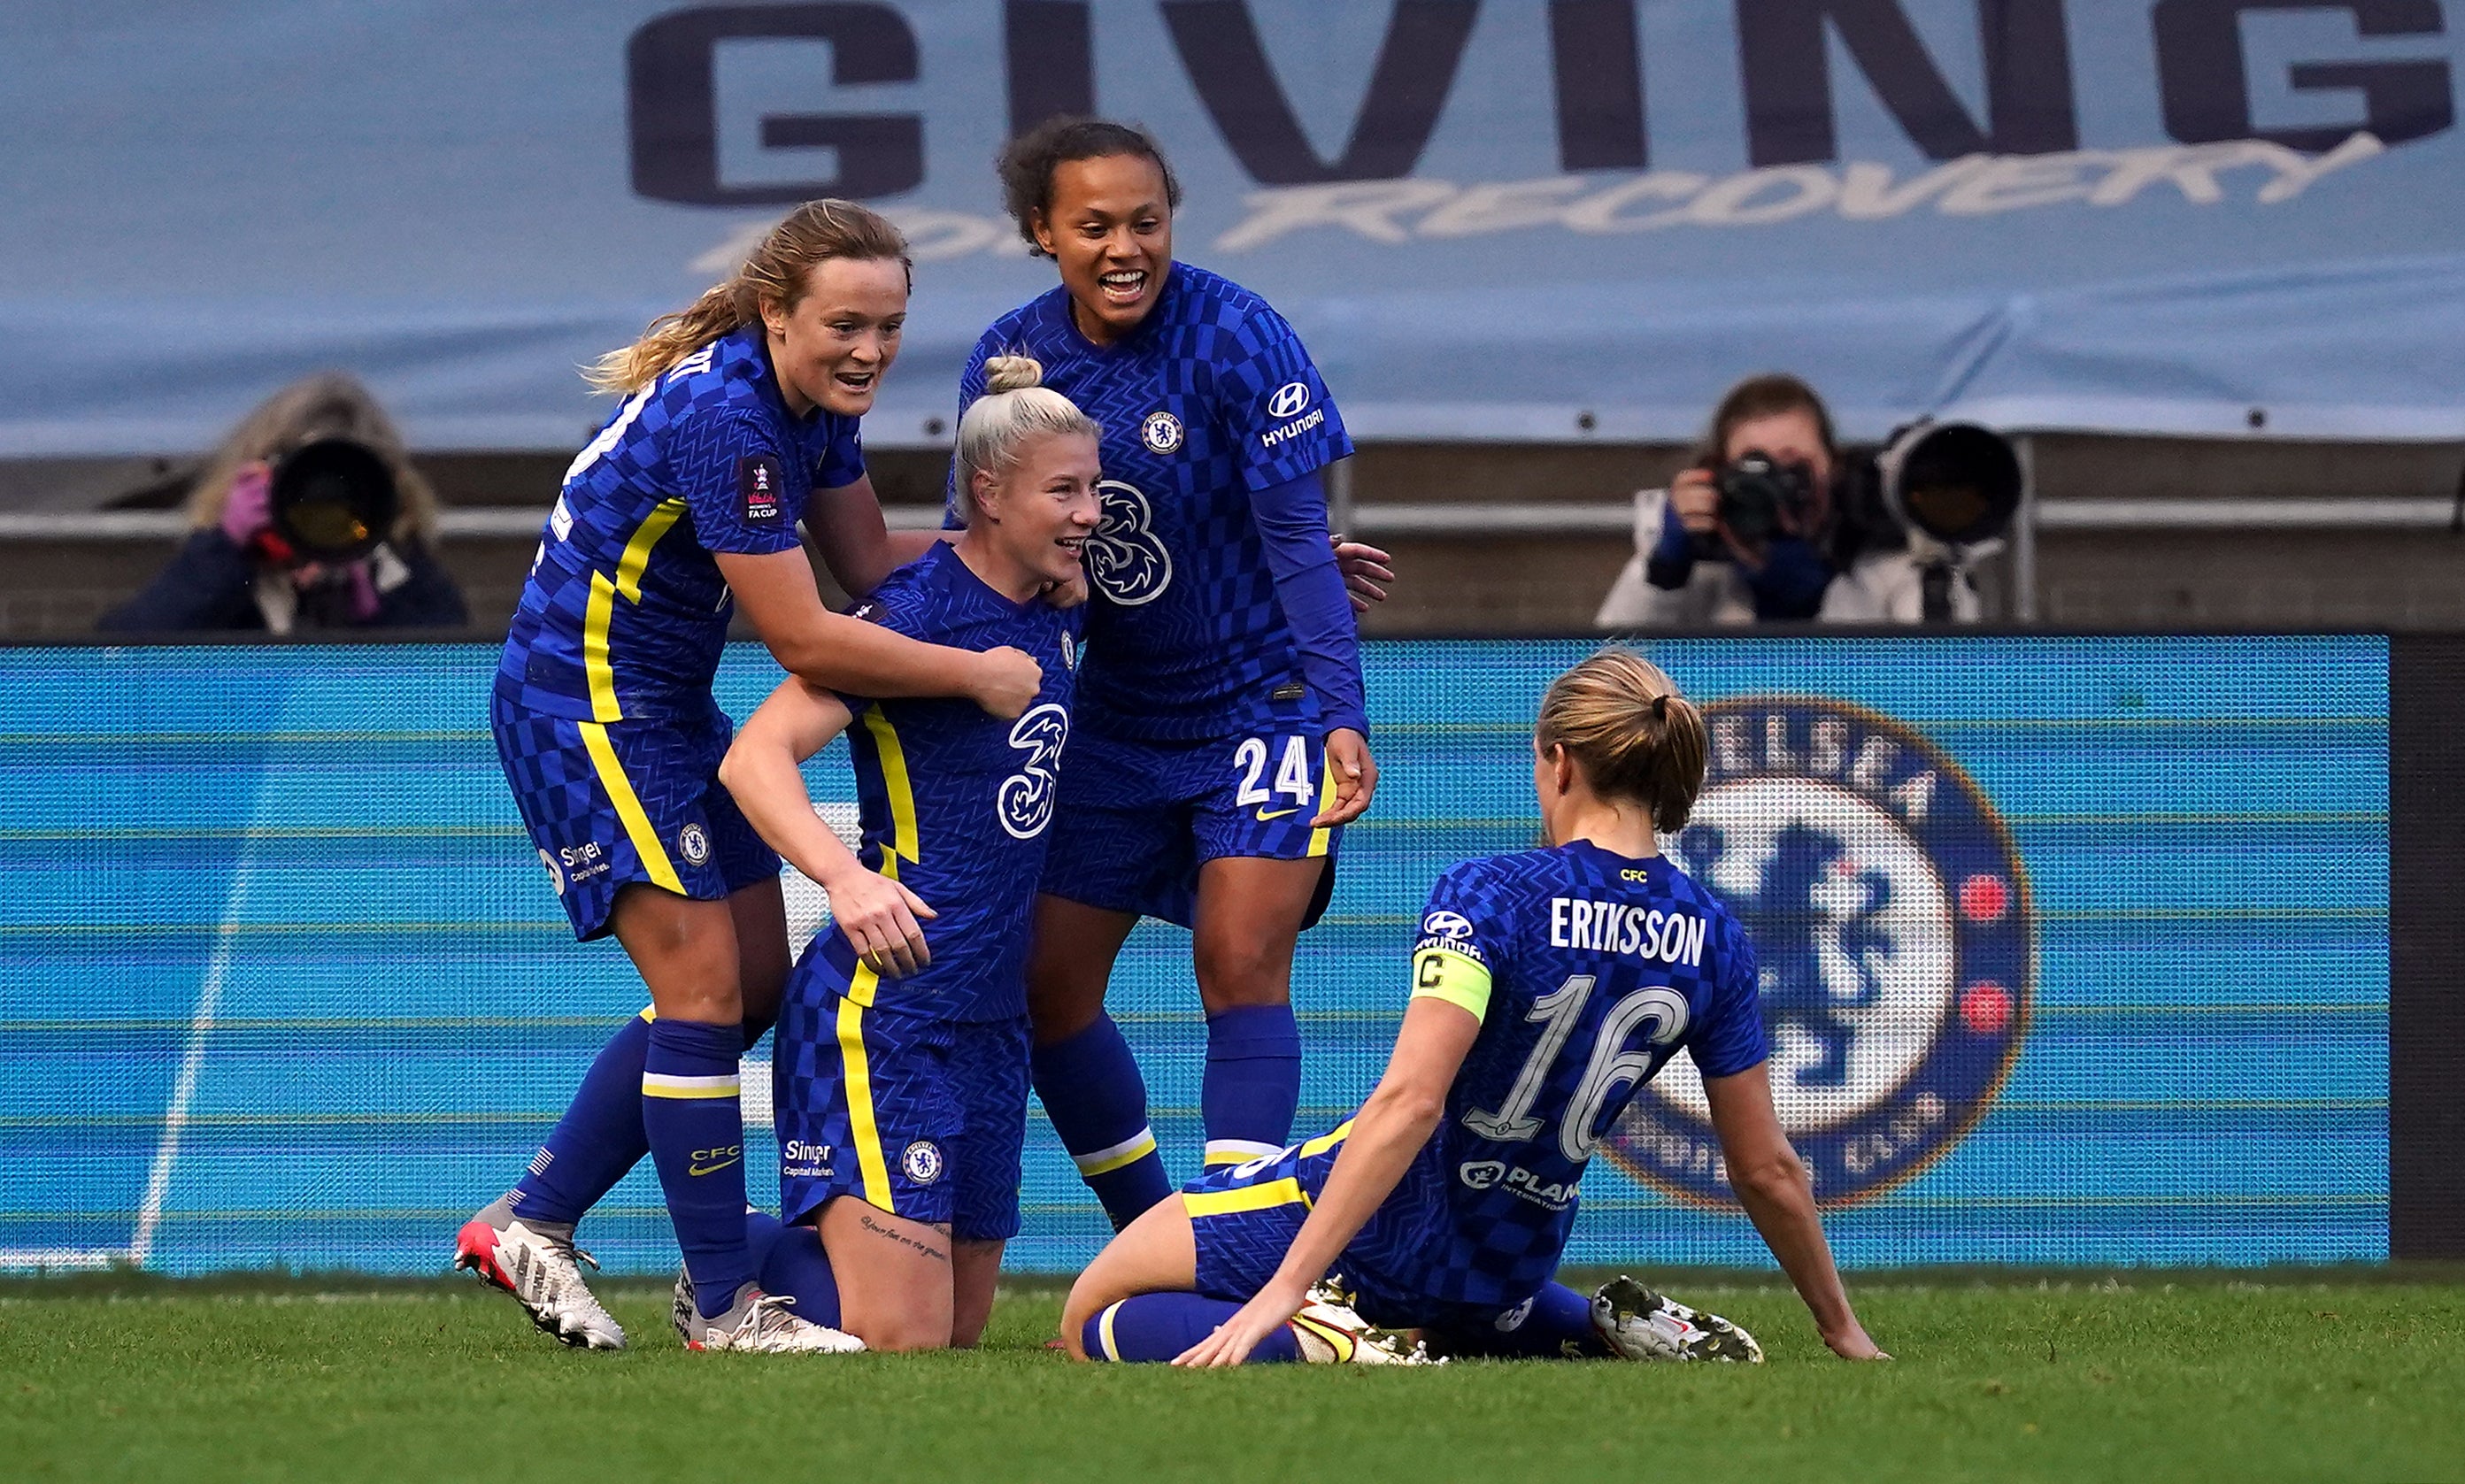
[1252, 1083]
[791, 1262]
[695, 1125]
[600, 1137]
[597, 1141]
[1556, 1324]
[1092, 1091]
[1160, 1326]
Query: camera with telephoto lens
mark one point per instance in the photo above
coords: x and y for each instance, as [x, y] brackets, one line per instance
[1943, 492]
[1956, 483]
[1757, 491]
[332, 500]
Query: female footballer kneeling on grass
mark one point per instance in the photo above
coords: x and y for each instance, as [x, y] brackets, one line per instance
[1222, 743]
[739, 420]
[1547, 987]
[902, 1065]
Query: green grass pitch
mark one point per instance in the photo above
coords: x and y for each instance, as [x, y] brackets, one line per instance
[2339, 1376]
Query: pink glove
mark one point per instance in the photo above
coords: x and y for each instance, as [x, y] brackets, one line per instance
[249, 512]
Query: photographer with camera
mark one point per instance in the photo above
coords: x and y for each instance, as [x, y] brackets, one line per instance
[1743, 534]
[309, 515]
[1775, 522]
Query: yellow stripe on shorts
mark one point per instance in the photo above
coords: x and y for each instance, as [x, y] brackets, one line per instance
[1319, 838]
[865, 1132]
[628, 807]
[1245, 1198]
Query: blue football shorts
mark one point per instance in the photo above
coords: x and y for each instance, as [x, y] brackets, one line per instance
[1244, 1217]
[609, 805]
[923, 1116]
[1136, 819]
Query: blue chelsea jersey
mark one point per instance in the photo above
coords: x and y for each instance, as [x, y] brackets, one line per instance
[625, 613]
[955, 801]
[1209, 400]
[1588, 970]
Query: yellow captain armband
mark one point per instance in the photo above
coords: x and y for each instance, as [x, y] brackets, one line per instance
[1455, 974]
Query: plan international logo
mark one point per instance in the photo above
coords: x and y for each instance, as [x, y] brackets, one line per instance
[1891, 924]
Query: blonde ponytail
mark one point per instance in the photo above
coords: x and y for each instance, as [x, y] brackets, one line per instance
[777, 272]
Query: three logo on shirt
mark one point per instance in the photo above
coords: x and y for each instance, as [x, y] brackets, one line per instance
[1890, 918]
[757, 486]
[1024, 801]
[1127, 561]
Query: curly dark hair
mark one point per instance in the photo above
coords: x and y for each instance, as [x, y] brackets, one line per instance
[1027, 161]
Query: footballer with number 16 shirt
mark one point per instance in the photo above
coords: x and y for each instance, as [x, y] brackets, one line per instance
[1547, 987]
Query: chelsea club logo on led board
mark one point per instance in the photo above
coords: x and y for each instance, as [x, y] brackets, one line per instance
[1891, 924]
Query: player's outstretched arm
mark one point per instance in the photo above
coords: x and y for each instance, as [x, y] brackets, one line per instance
[855, 544]
[837, 653]
[1780, 1200]
[761, 771]
[1387, 1133]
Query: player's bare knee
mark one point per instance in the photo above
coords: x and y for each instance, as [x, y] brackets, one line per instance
[1233, 974]
[708, 1003]
[1060, 1006]
[1075, 1312]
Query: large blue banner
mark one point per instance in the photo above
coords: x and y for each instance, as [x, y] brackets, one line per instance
[1568, 220]
[2075, 951]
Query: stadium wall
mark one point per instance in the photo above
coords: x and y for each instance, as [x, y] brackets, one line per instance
[2077, 949]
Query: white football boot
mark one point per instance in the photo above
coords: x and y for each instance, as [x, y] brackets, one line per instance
[1332, 1333]
[1642, 1326]
[537, 1266]
[759, 1323]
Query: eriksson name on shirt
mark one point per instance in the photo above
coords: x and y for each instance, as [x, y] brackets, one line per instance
[1616, 927]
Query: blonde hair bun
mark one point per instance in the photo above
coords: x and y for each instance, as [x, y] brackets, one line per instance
[1012, 373]
[1015, 408]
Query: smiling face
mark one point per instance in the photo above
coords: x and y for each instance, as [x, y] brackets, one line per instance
[1033, 516]
[832, 347]
[1110, 231]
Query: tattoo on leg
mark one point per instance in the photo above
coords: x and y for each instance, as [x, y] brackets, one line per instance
[866, 1221]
